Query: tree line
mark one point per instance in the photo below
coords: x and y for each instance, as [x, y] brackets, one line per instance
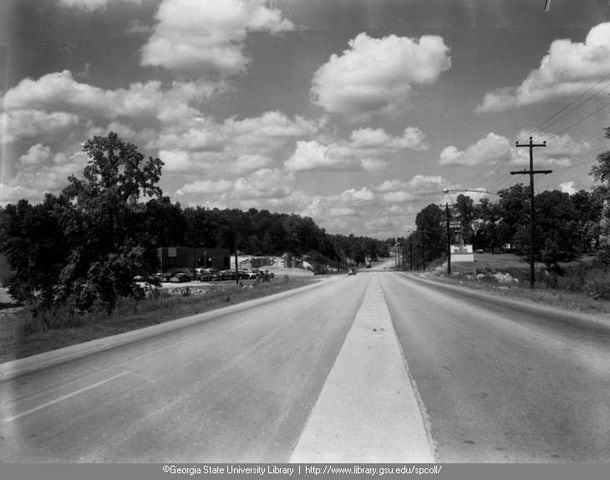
[80, 250]
[566, 225]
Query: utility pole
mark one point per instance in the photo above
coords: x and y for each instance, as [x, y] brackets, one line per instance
[236, 264]
[396, 256]
[423, 249]
[448, 239]
[410, 254]
[531, 172]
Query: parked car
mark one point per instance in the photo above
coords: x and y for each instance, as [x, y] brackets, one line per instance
[206, 274]
[264, 274]
[151, 279]
[228, 275]
[180, 277]
[163, 276]
[242, 274]
[352, 271]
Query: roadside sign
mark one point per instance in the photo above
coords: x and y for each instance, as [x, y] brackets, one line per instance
[462, 253]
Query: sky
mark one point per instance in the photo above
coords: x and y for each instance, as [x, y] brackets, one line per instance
[357, 113]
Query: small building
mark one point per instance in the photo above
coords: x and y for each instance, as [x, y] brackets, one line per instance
[191, 258]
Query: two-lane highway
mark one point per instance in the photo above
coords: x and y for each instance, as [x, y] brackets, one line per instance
[477, 379]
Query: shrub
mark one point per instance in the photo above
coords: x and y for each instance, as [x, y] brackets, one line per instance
[46, 318]
[597, 285]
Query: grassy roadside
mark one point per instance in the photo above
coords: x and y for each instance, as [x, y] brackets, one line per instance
[19, 338]
[469, 275]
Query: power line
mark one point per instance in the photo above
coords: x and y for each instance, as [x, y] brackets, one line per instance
[547, 122]
[497, 184]
[552, 119]
[583, 119]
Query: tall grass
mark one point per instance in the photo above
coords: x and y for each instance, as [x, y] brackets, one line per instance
[28, 332]
[583, 285]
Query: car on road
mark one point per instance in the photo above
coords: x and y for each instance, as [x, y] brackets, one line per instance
[352, 271]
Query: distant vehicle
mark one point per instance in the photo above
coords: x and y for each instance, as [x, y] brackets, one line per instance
[352, 271]
[262, 274]
[180, 277]
[243, 274]
[206, 274]
[227, 275]
[163, 276]
[266, 273]
[152, 279]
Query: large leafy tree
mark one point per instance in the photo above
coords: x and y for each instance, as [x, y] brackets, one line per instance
[488, 218]
[601, 174]
[465, 211]
[83, 248]
[514, 209]
[588, 207]
[601, 171]
[33, 240]
[108, 234]
[556, 227]
[167, 221]
[431, 232]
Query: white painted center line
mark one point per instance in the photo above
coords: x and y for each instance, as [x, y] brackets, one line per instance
[64, 397]
[367, 410]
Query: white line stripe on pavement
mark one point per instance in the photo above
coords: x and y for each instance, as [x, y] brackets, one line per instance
[367, 410]
[63, 397]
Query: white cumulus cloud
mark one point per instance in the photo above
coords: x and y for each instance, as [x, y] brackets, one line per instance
[312, 155]
[377, 75]
[36, 124]
[208, 36]
[367, 149]
[412, 138]
[205, 187]
[264, 183]
[92, 5]
[568, 187]
[488, 149]
[247, 163]
[568, 68]
[59, 92]
[560, 150]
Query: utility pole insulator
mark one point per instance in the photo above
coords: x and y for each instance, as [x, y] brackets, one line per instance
[531, 172]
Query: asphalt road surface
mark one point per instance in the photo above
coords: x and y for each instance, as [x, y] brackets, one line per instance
[380, 366]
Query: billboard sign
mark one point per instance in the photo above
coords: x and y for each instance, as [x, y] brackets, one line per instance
[462, 253]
